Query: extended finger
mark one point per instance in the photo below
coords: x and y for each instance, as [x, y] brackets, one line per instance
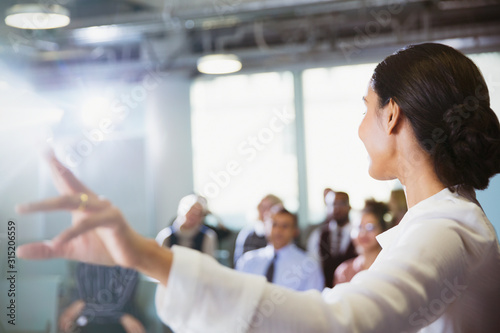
[64, 179]
[66, 202]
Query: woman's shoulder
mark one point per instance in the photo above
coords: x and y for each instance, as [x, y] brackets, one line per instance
[448, 210]
[447, 225]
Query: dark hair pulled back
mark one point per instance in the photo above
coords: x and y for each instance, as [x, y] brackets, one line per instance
[445, 98]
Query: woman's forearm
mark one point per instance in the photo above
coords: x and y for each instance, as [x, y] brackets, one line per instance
[156, 261]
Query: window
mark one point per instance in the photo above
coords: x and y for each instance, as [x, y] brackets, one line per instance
[336, 157]
[489, 64]
[243, 132]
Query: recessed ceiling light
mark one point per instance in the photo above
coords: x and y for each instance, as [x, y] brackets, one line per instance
[219, 64]
[35, 16]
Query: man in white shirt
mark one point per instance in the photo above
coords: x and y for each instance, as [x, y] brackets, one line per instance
[253, 236]
[281, 261]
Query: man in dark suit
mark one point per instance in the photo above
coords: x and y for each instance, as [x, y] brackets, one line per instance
[331, 243]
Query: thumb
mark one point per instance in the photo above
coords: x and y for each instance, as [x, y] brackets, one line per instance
[36, 251]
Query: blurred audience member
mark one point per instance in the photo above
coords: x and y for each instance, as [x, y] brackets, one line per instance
[397, 206]
[282, 262]
[188, 229]
[372, 224]
[331, 243]
[105, 301]
[254, 237]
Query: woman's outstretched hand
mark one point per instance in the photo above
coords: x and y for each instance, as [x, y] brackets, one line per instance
[99, 233]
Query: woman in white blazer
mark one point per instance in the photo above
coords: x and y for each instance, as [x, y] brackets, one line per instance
[428, 123]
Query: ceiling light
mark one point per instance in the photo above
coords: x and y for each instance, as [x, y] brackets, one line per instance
[219, 64]
[35, 16]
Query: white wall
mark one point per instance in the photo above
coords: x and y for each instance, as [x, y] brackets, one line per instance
[168, 148]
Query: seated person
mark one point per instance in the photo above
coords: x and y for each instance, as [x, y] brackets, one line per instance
[254, 237]
[372, 224]
[282, 262]
[188, 229]
[105, 301]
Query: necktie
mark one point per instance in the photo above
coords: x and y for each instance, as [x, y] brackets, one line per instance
[336, 241]
[270, 269]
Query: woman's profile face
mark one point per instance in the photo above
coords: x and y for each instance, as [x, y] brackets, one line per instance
[371, 132]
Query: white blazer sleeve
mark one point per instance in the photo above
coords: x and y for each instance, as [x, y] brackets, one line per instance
[425, 271]
[203, 296]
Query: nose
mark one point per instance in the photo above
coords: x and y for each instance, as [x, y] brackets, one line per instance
[360, 129]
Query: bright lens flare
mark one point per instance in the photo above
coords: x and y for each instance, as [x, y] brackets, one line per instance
[94, 110]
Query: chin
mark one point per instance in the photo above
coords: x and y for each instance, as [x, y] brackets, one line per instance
[379, 173]
[375, 174]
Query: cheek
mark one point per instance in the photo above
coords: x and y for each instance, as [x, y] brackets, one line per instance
[375, 144]
[367, 132]
[275, 232]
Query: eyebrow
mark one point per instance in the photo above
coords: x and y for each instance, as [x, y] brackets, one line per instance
[364, 99]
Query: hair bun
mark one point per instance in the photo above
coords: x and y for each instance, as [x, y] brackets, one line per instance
[470, 153]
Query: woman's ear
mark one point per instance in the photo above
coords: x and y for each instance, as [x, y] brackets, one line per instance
[393, 116]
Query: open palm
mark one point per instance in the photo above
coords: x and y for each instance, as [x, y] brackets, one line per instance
[99, 232]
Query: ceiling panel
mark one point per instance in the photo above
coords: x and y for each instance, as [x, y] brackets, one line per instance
[264, 33]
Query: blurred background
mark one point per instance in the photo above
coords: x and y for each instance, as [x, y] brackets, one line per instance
[123, 93]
